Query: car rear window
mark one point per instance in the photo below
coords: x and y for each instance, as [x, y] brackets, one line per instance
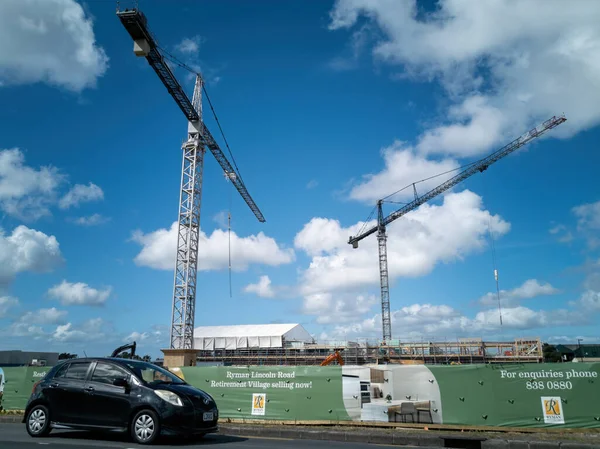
[76, 370]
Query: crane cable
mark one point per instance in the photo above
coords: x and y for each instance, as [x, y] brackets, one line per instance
[229, 237]
[412, 184]
[184, 66]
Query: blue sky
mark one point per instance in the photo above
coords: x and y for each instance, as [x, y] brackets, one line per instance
[327, 107]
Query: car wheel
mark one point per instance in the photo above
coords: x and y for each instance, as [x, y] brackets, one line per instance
[38, 421]
[145, 427]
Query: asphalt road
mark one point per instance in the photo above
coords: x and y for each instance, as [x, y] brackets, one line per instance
[15, 435]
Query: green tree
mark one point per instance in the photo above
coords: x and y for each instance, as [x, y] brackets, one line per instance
[551, 355]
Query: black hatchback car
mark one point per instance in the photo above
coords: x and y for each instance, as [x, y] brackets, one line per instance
[118, 395]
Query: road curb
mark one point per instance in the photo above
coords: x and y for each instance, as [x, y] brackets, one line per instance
[10, 419]
[393, 437]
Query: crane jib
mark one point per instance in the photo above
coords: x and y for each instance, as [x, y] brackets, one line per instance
[480, 166]
[136, 24]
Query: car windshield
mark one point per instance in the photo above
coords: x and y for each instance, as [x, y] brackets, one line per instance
[152, 374]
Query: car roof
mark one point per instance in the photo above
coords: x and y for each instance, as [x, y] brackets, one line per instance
[101, 359]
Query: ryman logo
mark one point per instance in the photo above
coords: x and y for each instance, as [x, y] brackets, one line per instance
[553, 411]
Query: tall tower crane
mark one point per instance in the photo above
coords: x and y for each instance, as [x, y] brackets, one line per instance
[382, 221]
[198, 139]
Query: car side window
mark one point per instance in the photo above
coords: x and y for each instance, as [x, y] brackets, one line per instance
[77, 371]
[60, 372]
[106, 373]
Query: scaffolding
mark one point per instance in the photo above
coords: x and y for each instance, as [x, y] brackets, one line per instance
[365, 352]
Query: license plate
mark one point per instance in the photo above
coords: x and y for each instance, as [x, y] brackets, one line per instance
[208, 416]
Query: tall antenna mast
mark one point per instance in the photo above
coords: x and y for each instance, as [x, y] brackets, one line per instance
[495, 269]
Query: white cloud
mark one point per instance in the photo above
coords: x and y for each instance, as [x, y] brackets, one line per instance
[502, 71]
[7, 303]
[159, 250]
[588, 216]
[44, 316]
[478, 127]
[416, 243]
[438, 322]
[588, 222]
[320, 236]
[81, 193]
[262, 288]
[50, 41]
[221, 218]
[156, 336]
[136, 336]
[25, 192]
[357, 45]
[529, 289]
[402, 167]
[562, 233]
[312, 184]
[190, 45]
[572, 339]
[592, 280]
[91, 220]
[79, 293]
[337, 308]
[95, 329]
[23, 329]
[27, 250]
[30, 323]
[590, 300]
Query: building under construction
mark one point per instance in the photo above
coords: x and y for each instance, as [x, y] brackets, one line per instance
[291, 344]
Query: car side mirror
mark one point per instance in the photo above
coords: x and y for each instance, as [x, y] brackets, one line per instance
[121, 382]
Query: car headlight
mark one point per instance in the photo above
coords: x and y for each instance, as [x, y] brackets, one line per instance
[170, 397]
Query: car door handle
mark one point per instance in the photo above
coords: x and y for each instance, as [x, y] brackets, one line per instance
[89, 389]
[54, 385]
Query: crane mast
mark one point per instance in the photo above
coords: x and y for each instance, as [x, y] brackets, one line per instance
[194, 148]
[383, 221]
[188, 230]
[386, 318]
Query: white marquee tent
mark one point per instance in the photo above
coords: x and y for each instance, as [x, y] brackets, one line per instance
[209, 338]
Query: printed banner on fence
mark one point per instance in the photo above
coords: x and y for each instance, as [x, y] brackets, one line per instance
[273, 392]
[524, 395]
[520, 395]
[17, 383]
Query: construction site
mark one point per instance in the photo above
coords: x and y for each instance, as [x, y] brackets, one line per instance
[276, 346]
[291, 345]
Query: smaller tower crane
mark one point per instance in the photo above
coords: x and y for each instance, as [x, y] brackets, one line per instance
[382, 221]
